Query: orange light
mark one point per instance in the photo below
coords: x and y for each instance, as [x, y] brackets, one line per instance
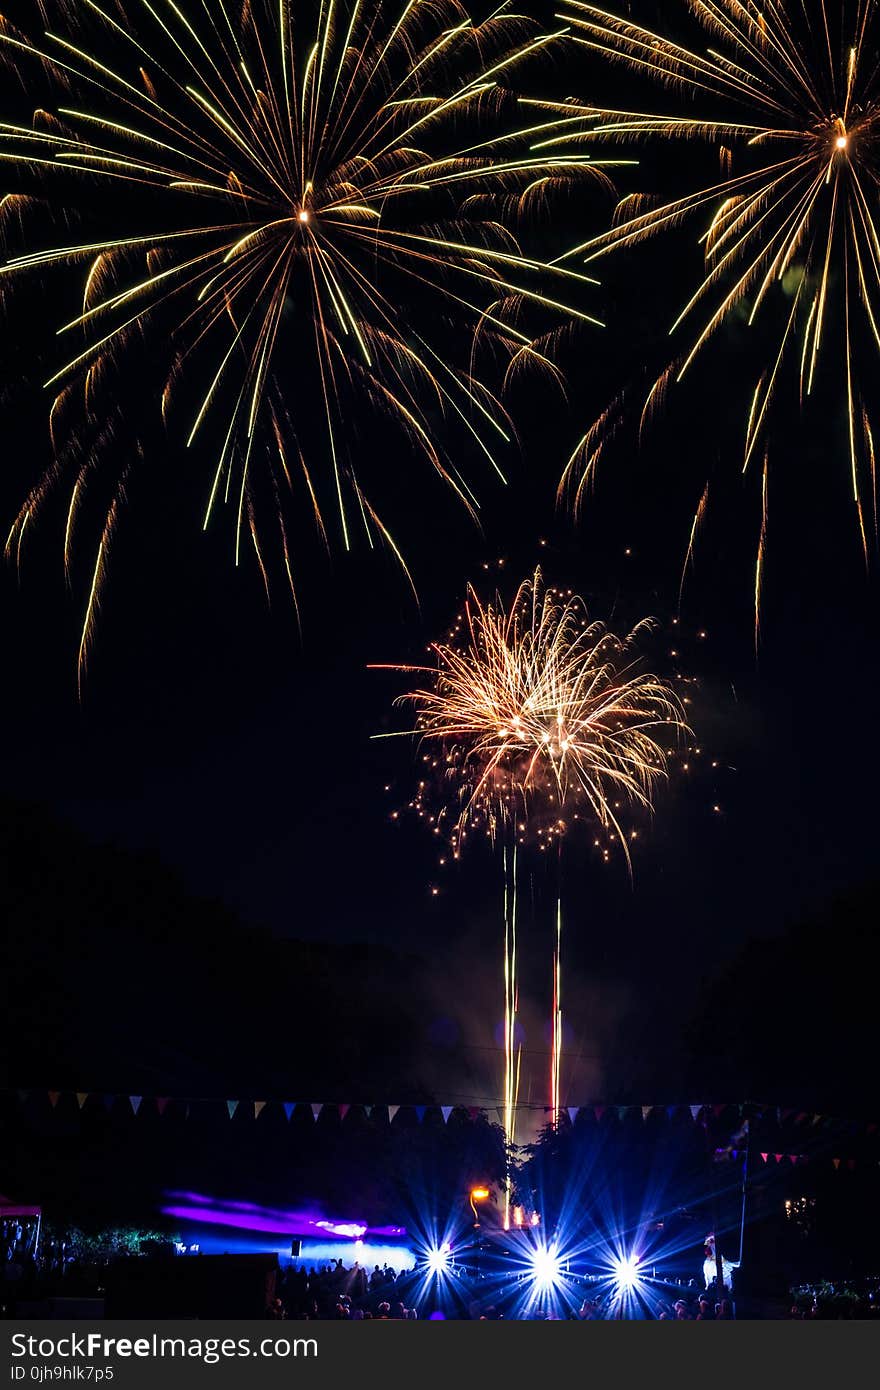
[302, 215]
[479, 1194]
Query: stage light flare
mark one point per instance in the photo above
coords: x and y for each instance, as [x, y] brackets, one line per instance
[626, 1272]
[438, 1259]
[546, 1268]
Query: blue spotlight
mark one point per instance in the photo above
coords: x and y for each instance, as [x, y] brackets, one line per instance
[626, 1272]
[546, 1268]
[438, 1259]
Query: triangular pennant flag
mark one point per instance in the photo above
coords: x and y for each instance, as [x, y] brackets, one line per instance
[231, 1106]
[622, 1111]
[81, 1098]
[259, 1107]
[316, 1109]
[718, 1110]
[445, 1111]
[289, 1107]
[815, 1120]
[420, 1112]
[670, 1111]
[573, 1111]
[161, 1104]
[793, 1158]
[473, 1112]
[186, 1110]
[836, 1162]
[646, 1110]
[764, 1157]
[598, 1111]
[343, 1111]
[392, 1111]
[695, 1110]
[135, 1103]
[108, 1102]
[54, 1097]
[778, 1157]
[850, 1163]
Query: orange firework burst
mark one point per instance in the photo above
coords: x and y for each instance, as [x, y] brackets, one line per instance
[541, 717]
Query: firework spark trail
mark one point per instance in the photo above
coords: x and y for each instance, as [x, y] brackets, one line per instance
[306, 187]
[791, 97]
[512, 1050]
[537, 718]
[556, 1019]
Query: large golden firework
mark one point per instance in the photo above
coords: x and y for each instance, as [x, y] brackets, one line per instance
[789, 95]
[298, 209]
[536, 717]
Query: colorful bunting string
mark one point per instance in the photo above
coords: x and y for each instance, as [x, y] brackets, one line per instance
[701, 1113]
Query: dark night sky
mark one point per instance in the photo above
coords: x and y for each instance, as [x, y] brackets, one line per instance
[211, 733]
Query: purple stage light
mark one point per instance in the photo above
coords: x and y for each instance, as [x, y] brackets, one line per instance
[247, 1216]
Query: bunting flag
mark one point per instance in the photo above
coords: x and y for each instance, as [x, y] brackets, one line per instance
[836, 1162]
[726, 1144]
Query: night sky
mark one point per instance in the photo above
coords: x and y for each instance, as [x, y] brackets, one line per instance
[238, 751]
